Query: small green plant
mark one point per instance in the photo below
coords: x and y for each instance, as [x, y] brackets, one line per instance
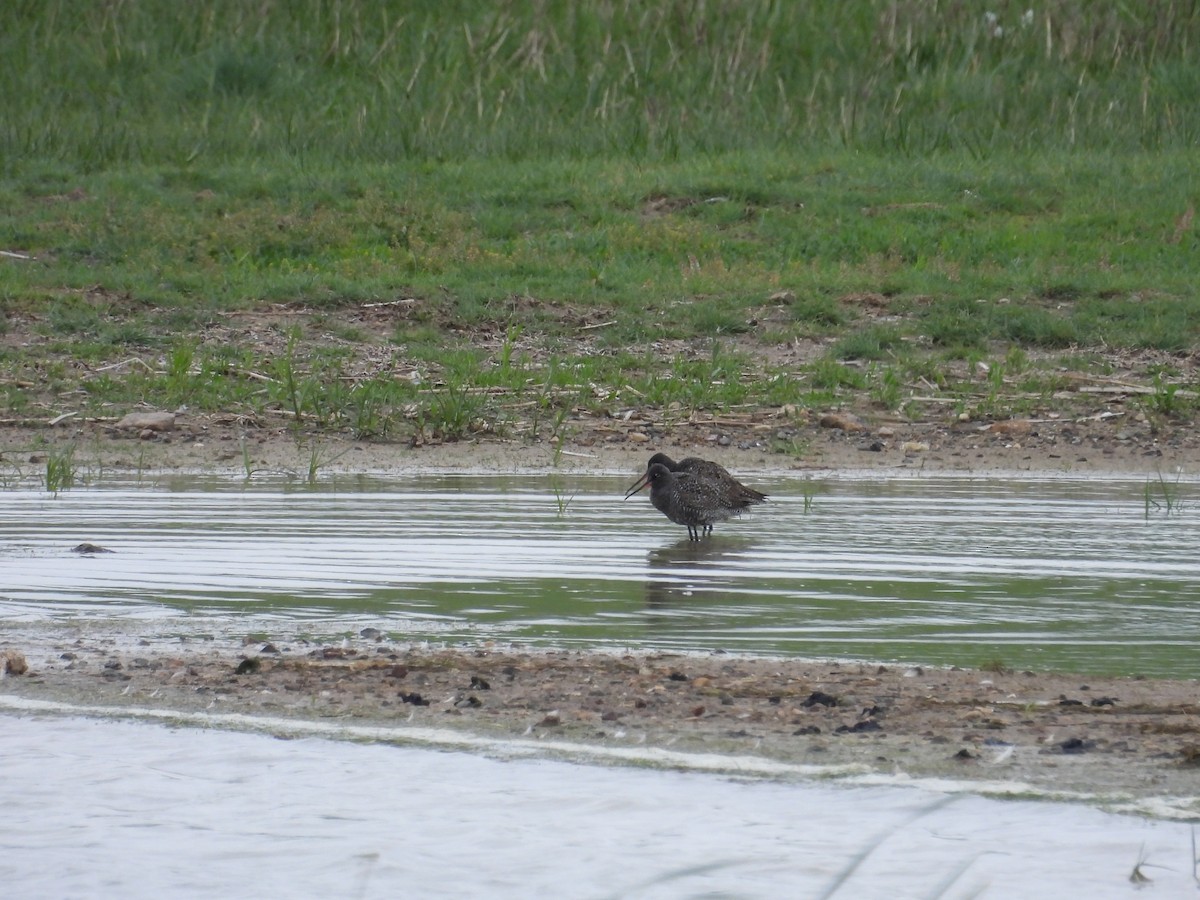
[60, 468]
[829, 374]
[561, 499]
[995, 666]
[886, 388]
[1160, 495]
[367, 408]
[290, 386]
[1164, 400]
[247, 462]
[809, 496]
[1140, 878]
[874, 342]
[506, 350]
[1016, 360]
[319, 459]
[454, 412]
[179, 374]
[788, 445]
[559, 433]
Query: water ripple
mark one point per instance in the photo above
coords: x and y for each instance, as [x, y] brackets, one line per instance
[963, 571]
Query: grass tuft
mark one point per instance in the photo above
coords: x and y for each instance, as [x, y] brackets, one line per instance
[60, 468]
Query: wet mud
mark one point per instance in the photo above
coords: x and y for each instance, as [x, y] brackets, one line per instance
[1055, 733]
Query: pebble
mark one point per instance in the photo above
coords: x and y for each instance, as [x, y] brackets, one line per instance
[842, 421]
[152, 422]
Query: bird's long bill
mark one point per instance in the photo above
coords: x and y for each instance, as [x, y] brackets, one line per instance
[641, 483]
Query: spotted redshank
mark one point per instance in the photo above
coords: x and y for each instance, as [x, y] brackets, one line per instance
[689, 499]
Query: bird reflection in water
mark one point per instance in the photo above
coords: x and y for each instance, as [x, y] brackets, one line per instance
[678, 572]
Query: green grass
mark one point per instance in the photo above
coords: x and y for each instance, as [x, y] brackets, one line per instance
[537, 209]
[165, 83]
[60, 468]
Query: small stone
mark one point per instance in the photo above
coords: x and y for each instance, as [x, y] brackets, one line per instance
[820, 698]
[1011, 426]
[147, 421]
[15, 663]
[85, 547]
[842, 421]
[1076, 745]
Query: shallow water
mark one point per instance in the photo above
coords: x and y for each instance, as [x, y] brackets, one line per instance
[1049, 573]
[97, 808]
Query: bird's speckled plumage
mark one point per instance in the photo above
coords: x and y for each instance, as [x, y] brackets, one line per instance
[691, 499]
[733, 492]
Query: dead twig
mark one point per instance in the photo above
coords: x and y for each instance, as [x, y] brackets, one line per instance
[126, 362]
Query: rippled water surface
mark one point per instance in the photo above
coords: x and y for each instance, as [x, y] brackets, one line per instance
[1042, 573]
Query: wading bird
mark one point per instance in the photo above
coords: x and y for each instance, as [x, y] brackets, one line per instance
[733, 492]
[692, 499]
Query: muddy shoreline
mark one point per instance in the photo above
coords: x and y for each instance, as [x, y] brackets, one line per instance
[1117, 741]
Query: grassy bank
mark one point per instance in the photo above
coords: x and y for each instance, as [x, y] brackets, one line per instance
[350, 81]
[381, 219]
